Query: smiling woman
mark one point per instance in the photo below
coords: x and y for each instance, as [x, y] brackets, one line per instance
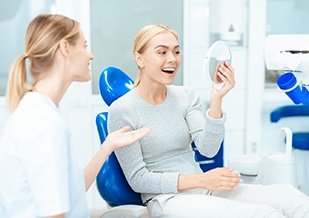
[162, 166]
[164, 55]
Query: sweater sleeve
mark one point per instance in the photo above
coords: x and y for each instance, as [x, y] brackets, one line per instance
[207, 133]
[131, 157]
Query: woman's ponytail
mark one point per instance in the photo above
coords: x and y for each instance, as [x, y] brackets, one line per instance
[17, 85]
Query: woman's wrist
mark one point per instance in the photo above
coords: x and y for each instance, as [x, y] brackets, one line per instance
[188, 181]
[106, 148]
[215, 110]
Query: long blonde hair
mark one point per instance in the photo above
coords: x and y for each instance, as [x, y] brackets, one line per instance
[42, 41]
[143, 37]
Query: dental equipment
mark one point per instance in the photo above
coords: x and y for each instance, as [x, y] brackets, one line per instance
[290, 53]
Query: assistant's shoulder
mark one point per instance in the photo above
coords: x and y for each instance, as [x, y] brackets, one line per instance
[36, 110]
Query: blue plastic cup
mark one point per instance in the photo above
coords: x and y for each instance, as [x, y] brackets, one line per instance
[288, 83]
[305, 94]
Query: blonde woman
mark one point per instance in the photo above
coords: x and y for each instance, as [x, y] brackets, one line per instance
[161, 166]
[39, 175]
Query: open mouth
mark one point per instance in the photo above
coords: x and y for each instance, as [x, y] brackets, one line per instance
[168, 70]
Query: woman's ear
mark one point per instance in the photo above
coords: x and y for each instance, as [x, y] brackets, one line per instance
[138, 59]
[64, 47]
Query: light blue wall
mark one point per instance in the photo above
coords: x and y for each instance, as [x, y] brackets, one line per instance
[14, 19]
[287, 17]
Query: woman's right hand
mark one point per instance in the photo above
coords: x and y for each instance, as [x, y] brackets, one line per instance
[124, 136]
[217, 179]
[114, 140]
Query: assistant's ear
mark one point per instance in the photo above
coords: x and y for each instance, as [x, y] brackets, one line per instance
[138, 59]
[64, 47]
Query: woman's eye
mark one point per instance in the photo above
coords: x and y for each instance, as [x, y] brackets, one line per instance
[177, 52]
[162, 52]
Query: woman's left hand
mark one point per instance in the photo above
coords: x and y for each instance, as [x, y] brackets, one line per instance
[224, 73]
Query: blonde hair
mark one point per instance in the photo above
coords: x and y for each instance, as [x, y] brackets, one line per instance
[144, 36]
[43, 36]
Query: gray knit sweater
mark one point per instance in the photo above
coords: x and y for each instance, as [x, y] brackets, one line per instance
[153, 164]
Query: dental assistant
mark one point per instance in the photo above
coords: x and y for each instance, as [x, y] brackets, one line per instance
[39, 174]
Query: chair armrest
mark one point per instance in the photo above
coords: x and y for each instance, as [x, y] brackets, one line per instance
[289, 111]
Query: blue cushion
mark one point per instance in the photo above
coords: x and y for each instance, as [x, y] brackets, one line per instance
[300, 140]
[114, 83]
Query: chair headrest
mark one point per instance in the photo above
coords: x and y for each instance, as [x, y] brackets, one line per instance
[113, 83]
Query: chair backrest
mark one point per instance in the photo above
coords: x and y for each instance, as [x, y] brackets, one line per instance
[114, 83]
[111, 182]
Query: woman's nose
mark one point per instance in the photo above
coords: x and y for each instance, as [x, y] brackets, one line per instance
[171, 57]
[91, 56]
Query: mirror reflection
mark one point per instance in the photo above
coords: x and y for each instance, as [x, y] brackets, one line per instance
[218, 52]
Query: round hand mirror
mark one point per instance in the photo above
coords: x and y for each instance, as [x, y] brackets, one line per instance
[218, 52]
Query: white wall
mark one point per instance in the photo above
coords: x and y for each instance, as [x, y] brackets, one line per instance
[255, 74]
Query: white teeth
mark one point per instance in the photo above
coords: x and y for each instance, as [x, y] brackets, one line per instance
[169, 69]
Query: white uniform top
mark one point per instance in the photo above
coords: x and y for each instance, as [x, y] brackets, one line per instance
[39, 175]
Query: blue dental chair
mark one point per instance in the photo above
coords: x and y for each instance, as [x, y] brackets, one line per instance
[111, 182]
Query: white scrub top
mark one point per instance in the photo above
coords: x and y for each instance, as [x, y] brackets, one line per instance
[39, 175]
